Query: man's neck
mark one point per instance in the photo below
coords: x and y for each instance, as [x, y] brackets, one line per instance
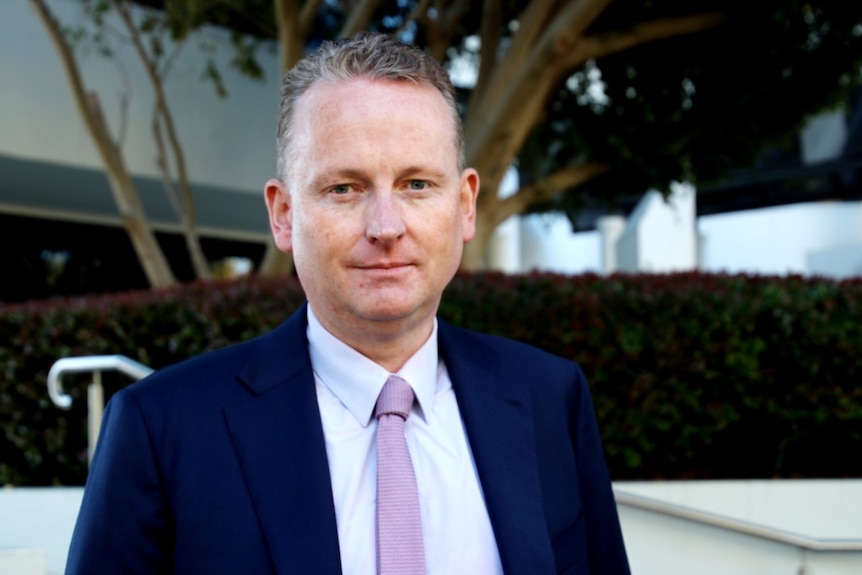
[389, 343]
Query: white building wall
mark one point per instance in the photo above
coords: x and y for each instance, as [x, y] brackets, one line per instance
[839, 262]
[660, 234]
[823, 137]
[810, 239]
[610, 230]
[229, 142]
[548, 244]
[505, 246]
[799, 238]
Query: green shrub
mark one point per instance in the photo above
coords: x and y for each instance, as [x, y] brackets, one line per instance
[693, 375]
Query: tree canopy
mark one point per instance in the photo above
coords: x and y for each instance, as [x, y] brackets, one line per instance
[589, 99]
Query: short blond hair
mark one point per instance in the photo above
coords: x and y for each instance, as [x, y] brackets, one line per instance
[368, 55]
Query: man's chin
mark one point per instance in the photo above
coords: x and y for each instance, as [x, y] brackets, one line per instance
[382, 311]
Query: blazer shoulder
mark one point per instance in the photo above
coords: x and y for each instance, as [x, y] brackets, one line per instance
[274, 354]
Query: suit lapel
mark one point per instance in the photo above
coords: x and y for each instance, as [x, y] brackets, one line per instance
[497, 414]
[278, 438]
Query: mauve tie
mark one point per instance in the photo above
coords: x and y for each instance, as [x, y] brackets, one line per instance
[399, 526]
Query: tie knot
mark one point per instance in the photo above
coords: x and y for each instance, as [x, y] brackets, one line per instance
[395, 398]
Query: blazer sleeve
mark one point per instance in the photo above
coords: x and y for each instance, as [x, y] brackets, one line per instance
[124, 525]
[607, 554]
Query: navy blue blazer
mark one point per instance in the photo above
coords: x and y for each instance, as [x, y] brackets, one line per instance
[218, 464]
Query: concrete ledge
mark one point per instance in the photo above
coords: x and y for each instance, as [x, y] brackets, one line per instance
[36, 525]
[38, 518]
[22, 562]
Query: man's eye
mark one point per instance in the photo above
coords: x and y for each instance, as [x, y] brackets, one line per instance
[418, 185]
[340, 189]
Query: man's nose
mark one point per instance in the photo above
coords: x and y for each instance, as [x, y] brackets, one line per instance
[385, 220]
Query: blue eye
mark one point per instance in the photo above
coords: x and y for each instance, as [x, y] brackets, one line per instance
[340, 189]
[418, 185]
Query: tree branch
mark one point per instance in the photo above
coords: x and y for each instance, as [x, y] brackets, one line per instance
[592, 47]
[128, 203]
[454, 15]
[489, 44]
[441, 29]
[415, 15]
[359, 17]
[527, 74]
[290, 38]
[548, 188]
[531, 22]
[86, 102]
[162, 115]
[306, 17]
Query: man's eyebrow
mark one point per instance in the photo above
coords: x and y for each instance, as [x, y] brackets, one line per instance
[332, 177]
[423, 171]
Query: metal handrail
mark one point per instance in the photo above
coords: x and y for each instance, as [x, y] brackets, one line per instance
[736, 525]
[94, 364]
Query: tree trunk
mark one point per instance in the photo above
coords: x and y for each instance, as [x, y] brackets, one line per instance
[132, 215]
[185, 209]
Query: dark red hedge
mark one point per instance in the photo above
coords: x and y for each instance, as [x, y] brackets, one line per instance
[693, 375]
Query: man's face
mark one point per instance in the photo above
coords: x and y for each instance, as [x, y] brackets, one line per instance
[374, 207]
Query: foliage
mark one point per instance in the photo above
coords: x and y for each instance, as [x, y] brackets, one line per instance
[693, 375]
[695, 107]
[594, 101]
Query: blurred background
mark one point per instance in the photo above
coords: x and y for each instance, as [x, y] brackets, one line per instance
[135, 142]
[671, 196]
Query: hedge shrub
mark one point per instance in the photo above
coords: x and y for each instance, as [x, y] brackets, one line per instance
[693, 375]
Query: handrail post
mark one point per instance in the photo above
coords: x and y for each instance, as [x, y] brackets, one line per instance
[95, 392]
[95, 407]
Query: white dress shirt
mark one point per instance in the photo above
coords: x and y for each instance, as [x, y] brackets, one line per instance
[456, 529]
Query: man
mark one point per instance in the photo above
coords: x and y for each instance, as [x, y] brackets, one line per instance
[263, 457]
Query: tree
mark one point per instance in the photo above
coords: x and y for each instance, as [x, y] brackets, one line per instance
[147, 37]
[593, 98]
[606, 98]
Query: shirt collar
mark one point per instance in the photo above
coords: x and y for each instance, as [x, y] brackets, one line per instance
[356, 380]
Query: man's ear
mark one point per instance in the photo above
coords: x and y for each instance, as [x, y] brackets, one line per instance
[280, 215]
[469, 192]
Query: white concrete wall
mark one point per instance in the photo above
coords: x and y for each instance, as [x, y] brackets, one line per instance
[660, 234]
[548, 244]
[504, 251]
[822, 508]
[659, 545]
[785, 239]
[22, 561]
[843, 261]
[36, 525]
[823, 137]
[819, 509]
[610, 229]
[811, 239]
[37, 521]
[228, 142]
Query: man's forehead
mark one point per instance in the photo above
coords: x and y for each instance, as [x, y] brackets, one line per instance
[336, 93]
[330, 111]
